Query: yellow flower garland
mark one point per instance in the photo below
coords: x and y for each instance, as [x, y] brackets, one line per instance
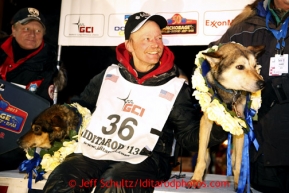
[217, 111]
[57, 153]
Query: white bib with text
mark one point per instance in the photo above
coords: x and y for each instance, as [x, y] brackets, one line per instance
[125, 116]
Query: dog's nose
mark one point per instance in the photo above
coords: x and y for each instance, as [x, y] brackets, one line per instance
[19, 141]
[261, 84]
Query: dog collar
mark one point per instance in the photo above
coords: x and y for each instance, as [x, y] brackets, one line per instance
[223, 88]
[236, 95]
[78, 114]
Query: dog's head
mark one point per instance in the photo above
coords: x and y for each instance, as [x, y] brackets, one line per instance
[235, 67]
[46, 128]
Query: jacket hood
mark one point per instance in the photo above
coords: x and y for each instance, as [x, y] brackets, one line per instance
[260, 8]
[257, 7]
[166, 62]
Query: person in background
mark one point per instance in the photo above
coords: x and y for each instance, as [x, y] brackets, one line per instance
[139, 107]
[27, 61]
[3, 34]
[266, 23]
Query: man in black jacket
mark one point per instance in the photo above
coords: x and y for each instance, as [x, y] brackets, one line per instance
[139, 107]
[27, 61]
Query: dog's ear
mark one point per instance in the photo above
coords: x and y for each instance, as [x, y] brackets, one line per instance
[257, 50]
[213, 58]
[57, 123]
[58, 126]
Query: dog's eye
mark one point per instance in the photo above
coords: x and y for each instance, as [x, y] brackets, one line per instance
[240, 67]
[37, 128]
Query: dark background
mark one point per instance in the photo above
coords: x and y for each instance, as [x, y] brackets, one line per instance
[82, 62]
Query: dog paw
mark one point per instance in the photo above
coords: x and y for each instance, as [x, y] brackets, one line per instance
[194, 184]
[235, 186]
[245, 189]
[26, 176]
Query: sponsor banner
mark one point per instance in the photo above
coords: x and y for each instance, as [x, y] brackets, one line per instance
[17, 113]
[101, 22]
[11, 118]
[217, 22]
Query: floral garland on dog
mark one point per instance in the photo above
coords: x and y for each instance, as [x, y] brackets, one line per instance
[52, 157]
[216, 110]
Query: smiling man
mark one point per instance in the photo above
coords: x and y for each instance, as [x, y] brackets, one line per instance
[146, 47]
[139, 107]
[27, 61]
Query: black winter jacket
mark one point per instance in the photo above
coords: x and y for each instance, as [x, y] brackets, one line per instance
[183, 121]
[41, 66]
[272, 129]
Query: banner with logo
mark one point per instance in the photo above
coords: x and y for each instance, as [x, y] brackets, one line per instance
[101, 22]
[17, 114]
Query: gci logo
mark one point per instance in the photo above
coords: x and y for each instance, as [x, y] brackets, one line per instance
[84, 29]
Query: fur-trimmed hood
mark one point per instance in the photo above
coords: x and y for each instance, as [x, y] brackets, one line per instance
[248, 11]
[260, 8]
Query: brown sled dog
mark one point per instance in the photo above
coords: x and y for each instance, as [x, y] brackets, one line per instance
[54, 123]
[232, 67]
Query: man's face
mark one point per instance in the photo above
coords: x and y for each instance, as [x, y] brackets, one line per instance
[29, 36]
[146, 46]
